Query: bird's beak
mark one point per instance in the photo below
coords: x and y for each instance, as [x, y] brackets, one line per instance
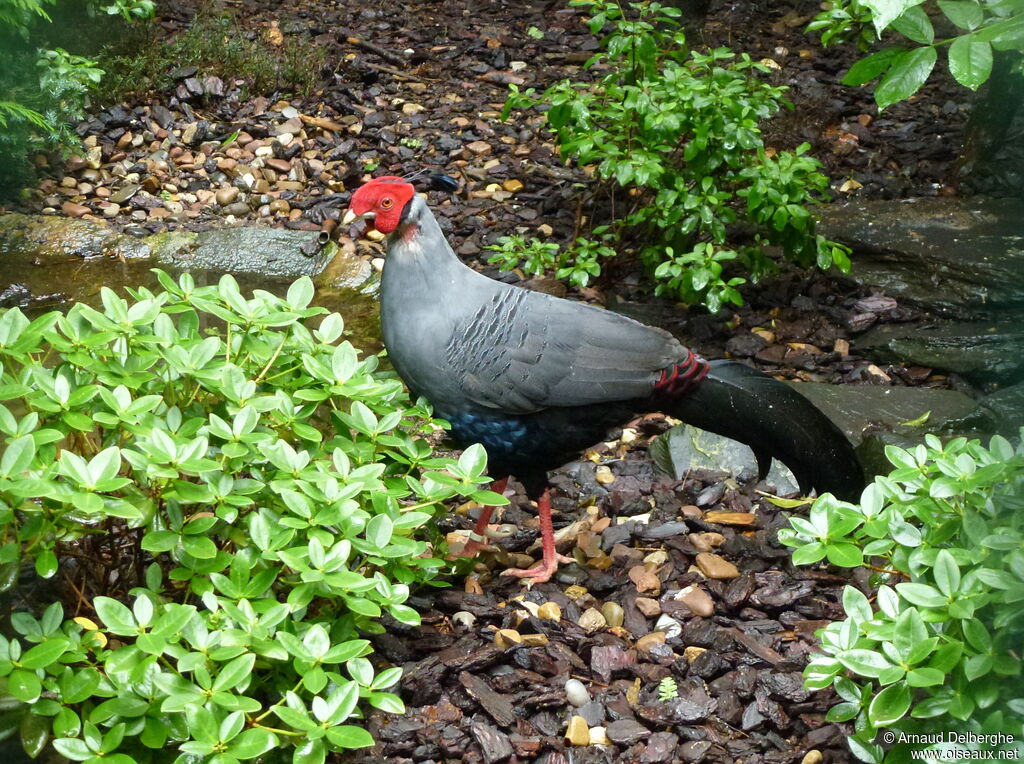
[350, 217]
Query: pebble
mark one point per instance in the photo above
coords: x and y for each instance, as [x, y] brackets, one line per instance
[464, 618]
[813, 756]
[534, 640]
[111, 210]
[506, 638]
[577, 732]
[576, 693]
[715, 567]
[512, 185]
[649, 607]
[697, 600]
[692, 653]
[74, 210]
[479, 147]
[592, 620]
[226, 196]
[613, 613]
[603, 475]
[705, 542]
[238, 209]
[648, 641]
[599, 736]
[669, 625]
[549, 611]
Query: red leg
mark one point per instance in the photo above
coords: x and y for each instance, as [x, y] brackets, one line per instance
[474, 547]
[544, 571]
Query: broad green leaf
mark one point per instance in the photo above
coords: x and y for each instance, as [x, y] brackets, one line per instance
[915, 24]
[24, 685]
[970, 62]
[906, 75]
[966, 14]
[884, 12]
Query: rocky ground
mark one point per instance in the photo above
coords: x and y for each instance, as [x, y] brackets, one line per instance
[678, 579]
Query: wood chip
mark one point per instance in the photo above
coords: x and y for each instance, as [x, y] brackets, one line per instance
[499, 707]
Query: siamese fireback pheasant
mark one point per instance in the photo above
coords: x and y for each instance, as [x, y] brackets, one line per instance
[537, 379]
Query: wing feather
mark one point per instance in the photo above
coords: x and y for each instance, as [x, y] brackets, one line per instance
[524, 351]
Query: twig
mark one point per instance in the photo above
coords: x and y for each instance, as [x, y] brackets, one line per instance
[397, 72]
[384, 53]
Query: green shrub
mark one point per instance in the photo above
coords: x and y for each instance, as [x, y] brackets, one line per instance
[986, 29]
[242, 498]
[936, 651]
[43, 91]
[535, 257]
[677, 132]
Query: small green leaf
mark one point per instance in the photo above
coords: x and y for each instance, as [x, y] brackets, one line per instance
[347, 736]
[890, 705]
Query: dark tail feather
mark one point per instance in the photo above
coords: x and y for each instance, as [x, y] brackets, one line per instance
[775, 421]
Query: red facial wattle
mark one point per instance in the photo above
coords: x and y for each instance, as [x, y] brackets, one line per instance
[382, 200]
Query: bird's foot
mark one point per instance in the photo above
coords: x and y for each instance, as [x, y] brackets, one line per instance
[539, 573]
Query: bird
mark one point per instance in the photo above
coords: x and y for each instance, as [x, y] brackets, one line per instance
[536, 379]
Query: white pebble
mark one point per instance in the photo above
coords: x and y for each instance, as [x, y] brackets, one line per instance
[464, 618]
[669, 625]
[576, 693]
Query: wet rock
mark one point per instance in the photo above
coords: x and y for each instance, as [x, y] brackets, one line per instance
[1006, 408]
[650, 641]
[953, 255]
[592, 620]
[613, 614]
[75, 210]
[982, 352]
[854, 407]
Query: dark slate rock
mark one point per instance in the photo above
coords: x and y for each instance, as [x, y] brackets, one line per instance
[626, 731]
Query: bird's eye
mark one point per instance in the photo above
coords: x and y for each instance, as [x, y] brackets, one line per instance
[386, 202]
